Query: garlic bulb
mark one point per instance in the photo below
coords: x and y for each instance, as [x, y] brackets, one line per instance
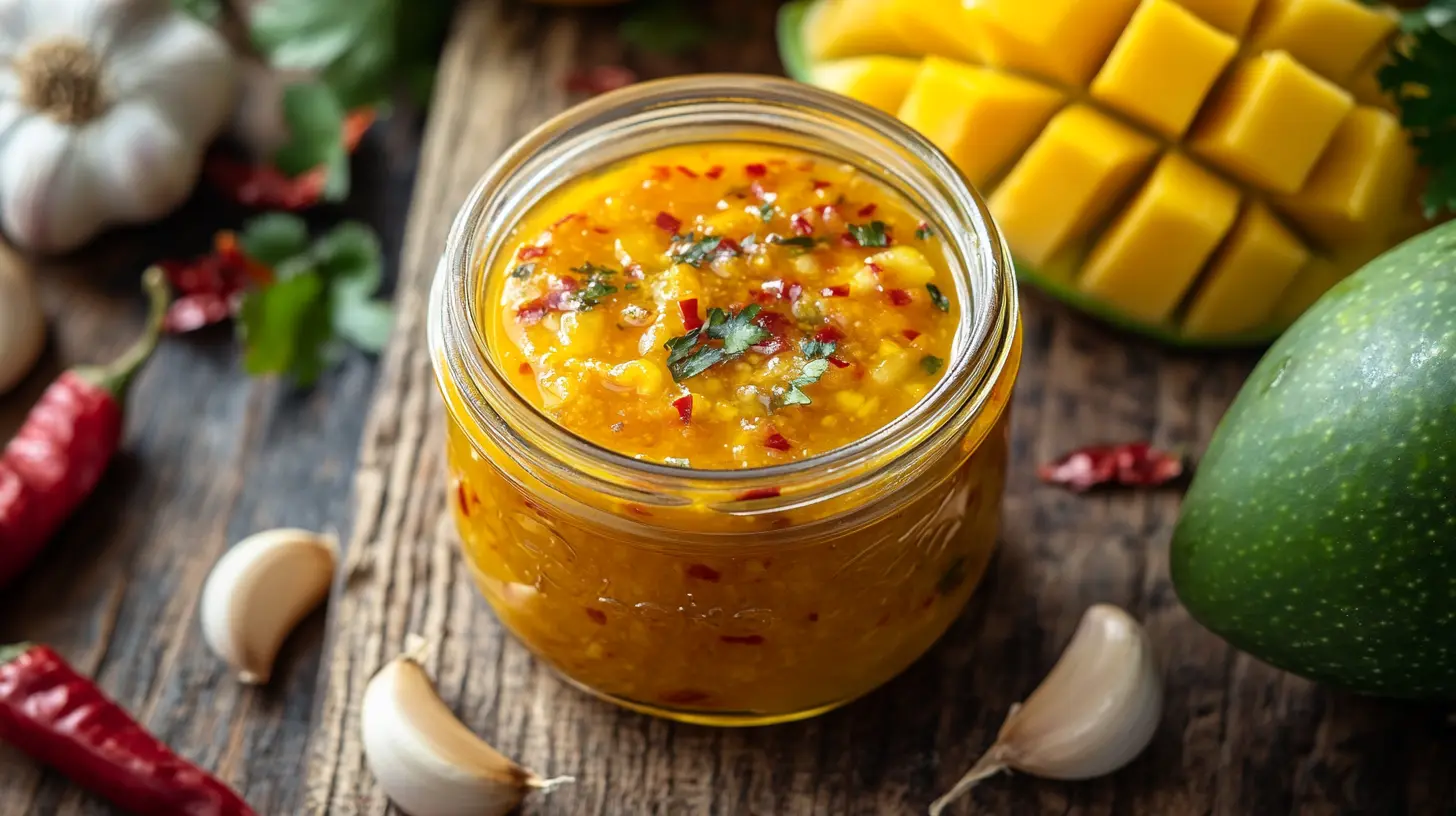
[426, 760]
[105, 109]
[22, 324]
[1096, 710]
[259, 591]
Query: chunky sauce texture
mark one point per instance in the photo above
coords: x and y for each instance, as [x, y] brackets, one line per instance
[723, 306]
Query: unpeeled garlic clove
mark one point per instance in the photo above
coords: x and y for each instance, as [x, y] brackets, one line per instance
[1096, 710]
[426, 761]
[259, 591]
[22, 324]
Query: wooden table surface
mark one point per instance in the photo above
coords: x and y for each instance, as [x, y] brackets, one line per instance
[213, 456]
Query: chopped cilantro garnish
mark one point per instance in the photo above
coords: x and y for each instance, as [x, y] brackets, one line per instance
[692, 250]
[523, 271]
[923, 232]
[808, 375]
[937, 297]
[931, 364]
[870, 235]
[802, 241]
[818, 349]
[591, 270]
[737, 331]
[766, 212]
[589, 297]
[630, 287]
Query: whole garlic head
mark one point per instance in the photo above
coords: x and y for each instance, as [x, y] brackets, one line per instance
[106, 107]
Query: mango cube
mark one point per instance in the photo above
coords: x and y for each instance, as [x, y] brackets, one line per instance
[1155, 249]
[1070, 179]
[942, 27]
[1063, 40]
[1334, 37]
[847, 28]
[1246, 277]
[981, 118]
[904, 267]
[1231, 16]
[1163, 66]
[877, 81]
[1360, 185]
[1270, 121]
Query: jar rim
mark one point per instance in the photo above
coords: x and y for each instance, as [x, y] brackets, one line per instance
[532, 168]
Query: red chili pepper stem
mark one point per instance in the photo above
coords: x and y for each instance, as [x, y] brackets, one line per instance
[116, 376]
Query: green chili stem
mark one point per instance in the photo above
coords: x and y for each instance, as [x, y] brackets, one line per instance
[117, 376]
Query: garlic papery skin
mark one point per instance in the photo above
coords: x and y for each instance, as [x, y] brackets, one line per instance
[106, 107]
[259, 591]
[22, 324]
[1094, 712]
[426, 761]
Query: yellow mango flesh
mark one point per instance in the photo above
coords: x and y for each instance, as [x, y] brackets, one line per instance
[1247, 277]
[1202, 167]
[950, 103]
[1150, 256]
[878, 81]
[848, 28]
[1163, 66]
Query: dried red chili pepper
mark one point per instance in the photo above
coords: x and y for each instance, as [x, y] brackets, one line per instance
[868, 210]
[60, 718]
[1134, 464]
[264, 186]
[210, 288]
[899, 297]
[58, 456]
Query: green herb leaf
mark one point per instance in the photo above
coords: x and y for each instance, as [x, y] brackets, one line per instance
[931, 364]
[592, 270]
[766, 211]
[801, 241]
[284, 328]
[630, 286]
[1421, 77]
[273, 238]
[924, 232]
[737, 331]
[364, 324]
[870, 235]
[818, 349]
[794, 396]
[937, 297]
[704, 358]
[523, 271]
[692, 250]
[590, 297]
[808, 375]
[315, 123]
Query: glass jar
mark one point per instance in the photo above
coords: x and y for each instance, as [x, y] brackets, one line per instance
[728, 597]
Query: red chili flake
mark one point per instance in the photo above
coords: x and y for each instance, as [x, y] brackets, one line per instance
[759, 493]
[848, 240]
[867, 210]
[266, 187]
[728, 247]
[875, 268]
[829, 334]
[899, 297]
[601, 231]
[742, 640]
[597, 616]
[665, 221]
[565, 218]
[1135, 464]
[801, 224]
[684, 406]
[821, 185]
[599, 79]
[685, 697]
[813, 617]
[703, 572]
[838, 363]
[210, 288]
[777, 441]
[842, 290]
[463, 496]
[714, 172]
[525, 369]
[531, 313]
[755, 170]
[910, 334]
[661, 172]
[686, 171]
[529, 252]
[778, 328]
[689, 309]
[638, 510]
[559, 297]
[634, 271]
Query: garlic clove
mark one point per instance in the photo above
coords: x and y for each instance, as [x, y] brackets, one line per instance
[426, 760]
[259, 591]
[1094, 712]
[22, 323]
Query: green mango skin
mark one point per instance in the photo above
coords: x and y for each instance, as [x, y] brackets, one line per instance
[1320, 531]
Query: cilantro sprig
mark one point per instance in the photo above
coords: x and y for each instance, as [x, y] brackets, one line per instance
[736, 331]
[597, 287]
[691, 250]
[1421, 77]
[870, 235]
[808, 375]
[938, 297]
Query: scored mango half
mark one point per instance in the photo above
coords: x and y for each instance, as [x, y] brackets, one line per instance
[1197, 170]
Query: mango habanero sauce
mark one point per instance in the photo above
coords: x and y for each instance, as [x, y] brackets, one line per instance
[724, 306]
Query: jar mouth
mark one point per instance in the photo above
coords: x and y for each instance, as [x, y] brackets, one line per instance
[718, 108]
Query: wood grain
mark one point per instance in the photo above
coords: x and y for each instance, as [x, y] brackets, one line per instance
[1238, 738]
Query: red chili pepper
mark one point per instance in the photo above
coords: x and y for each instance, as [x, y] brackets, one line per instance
[910, 334]
[665, 221]
[755, 170]
[531, 313]
[899, 297]
[829, 334]
[821, 185]
[838, 363]
[529, 252]
[58, 456]
[715, 172]
[801, 224]
[210, 288]
[689, 309]
[565, 218]
[1135, 464]
[599, 79]
[777, 441]
[60, 718]
[778, 328]
[867, 210]
[266, 187]
[684, 406]
[686, 171]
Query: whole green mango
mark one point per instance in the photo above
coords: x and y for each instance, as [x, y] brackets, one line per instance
[1320, 531]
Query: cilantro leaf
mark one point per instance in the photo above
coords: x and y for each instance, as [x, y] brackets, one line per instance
[279, 325]
[692, 250]
[937, 297]
[808, 375]
[737, 331]
[315, 124]
[930, 364]
[523, 271]
[801, 241]
[665, 27]
[818, 349]
[364, 324]
[766, 211]
[794, 396]
[273, 238]
[1419, 78]
[592, 270]
[590, 297]
[923, 232]
[870, 235]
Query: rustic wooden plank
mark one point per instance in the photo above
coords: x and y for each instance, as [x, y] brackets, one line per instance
[1238, 737]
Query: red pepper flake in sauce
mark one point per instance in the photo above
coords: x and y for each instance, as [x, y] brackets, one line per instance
[686, 171]
[601, 231]
[801, 224]
[462, 495]
[828, 334]
[778, 327]
[847, 240]
[899, 297]
[714, 172]
[838, 363]
[597, 616]
[910, 334]
[689, 309]
[868, 210]
[742, 640]
[841, 290]
[684, 406]
[1135, 464]
[529, 252]
[525, 369]
[821, 185]
[755, 170]
[531, 313]
[703, 572]
[777, 441]
[666, 221]
[661, 172]
[566, 218]
[759, 493]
